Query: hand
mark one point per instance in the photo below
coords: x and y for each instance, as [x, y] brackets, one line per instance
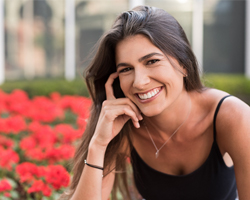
[114, 114]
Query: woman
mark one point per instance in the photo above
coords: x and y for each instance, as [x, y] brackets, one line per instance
[150, 105]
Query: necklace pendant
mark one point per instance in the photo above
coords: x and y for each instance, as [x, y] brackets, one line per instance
[156, 154]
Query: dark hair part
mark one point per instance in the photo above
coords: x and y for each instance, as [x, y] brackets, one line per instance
[165, 33]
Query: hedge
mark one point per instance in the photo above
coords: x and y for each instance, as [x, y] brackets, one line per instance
[43, 87]
[235, 84]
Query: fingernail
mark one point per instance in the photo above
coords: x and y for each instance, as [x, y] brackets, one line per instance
[137, 125]
[140, 117]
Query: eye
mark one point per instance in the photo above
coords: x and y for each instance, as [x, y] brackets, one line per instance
[150, 62]
[125, 70]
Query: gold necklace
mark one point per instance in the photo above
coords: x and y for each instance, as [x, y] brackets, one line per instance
[158, 150]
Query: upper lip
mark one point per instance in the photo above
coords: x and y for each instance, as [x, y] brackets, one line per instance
[148, 90]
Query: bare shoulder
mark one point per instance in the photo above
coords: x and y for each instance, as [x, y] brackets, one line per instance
[233, 118]
[207, 101]
[232, 124]
[232, 104]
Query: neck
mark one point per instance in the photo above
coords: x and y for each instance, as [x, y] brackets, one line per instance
[170, 119]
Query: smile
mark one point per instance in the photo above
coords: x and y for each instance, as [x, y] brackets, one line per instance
[150, 94]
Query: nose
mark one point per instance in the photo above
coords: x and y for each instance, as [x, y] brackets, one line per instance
[141, 78]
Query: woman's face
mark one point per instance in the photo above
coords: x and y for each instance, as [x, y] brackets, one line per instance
[146, 75]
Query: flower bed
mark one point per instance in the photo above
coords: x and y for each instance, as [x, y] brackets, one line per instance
[37, 139]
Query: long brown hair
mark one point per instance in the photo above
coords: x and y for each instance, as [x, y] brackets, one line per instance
[165, 33]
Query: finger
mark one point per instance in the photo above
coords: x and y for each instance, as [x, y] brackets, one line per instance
[133, 117]
[127, 101]
[129, 112]
[115, 111]
[109, 86]
[134, 108]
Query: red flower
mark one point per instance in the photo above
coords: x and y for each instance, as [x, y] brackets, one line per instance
[15, 124]
[66, 101]
[66, 151]
[35, 154]
[18, 102]
[28, 143]
[57, 176]
[79, 105]
[81, 122]
[3, 100]
[7, 194]
[18, 95]
[38, 142]
[55, 96]
[3, 127]
[66, 133]
[8, 158]
[34, 126]
[5, 185]
[63, 152]
[40, 186]
[43, 109]
[6, 142]
[27, 171]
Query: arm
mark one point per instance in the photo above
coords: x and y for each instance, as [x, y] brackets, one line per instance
[234, 137]
[114, 114]
[91, 184]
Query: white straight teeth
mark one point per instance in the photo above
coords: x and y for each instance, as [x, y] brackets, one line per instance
[149, 94]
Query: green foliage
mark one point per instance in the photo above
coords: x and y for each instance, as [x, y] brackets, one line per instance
[235, 84]
[46, 86]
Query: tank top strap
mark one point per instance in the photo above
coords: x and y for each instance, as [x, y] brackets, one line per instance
[216, 112]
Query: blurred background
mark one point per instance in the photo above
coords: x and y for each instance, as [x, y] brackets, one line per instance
[44, 48]
[51, 39]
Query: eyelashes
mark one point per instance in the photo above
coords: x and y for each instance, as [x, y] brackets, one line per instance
[127, 69]
[150, 62]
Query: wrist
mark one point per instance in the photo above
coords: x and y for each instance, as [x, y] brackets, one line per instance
[95, 147]
[97, 144]
[96, 154]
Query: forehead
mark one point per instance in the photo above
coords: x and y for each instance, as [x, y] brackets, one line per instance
[134, 47]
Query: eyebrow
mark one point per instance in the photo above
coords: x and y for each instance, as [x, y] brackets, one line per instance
[140, 59]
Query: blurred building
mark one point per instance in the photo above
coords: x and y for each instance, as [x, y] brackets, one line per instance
[41, 42]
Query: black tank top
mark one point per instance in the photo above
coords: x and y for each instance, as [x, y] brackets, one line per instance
[213, 180]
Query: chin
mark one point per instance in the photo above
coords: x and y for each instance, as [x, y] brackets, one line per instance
[151, 112]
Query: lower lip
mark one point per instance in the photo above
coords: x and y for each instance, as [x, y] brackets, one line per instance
[150, 99]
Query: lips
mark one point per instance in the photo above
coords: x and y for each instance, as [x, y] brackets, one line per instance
[149, 94]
